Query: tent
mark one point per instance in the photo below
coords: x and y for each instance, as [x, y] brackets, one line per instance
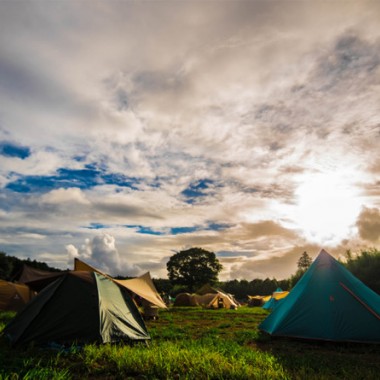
[185, 299]
[79, 307]
[13, 296]
[257, 300]
[37, 279]
[227, 298]
[142, 286]
[275, 299]
[217, 300]
[209, 300]
[327, 303]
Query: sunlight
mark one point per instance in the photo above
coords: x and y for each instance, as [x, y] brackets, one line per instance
[327, 207]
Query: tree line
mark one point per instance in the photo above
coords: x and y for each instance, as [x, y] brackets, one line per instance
[188, 270]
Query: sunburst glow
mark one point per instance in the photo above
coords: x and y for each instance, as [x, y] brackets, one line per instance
[327, 207]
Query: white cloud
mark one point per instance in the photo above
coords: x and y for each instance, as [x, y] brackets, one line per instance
[101, 252]
[257, 97]
[64, 196]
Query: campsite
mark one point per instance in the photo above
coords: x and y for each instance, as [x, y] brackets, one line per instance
[196, 343]
[84, 324]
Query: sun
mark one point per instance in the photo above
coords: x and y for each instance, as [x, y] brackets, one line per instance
[327, 205]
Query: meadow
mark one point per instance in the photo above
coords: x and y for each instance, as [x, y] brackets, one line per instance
[195, 343]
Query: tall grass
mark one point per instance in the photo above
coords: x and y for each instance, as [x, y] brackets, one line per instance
[192, 343]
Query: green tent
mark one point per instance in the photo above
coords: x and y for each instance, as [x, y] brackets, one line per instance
[79, 307]
[328, 303]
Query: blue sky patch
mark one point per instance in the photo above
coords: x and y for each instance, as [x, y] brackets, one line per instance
[97, 226]
[232, 254]
[218, 226]
[13, 150]
[86, 178]
[183, 230]
[197, 189]
[145, 230]
[179, 230]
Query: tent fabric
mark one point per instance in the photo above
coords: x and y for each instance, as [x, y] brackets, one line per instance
[80, 265]
[143, 286]
[185, 299]
[210, 300]
[255, 301]
[274, 299]
[206, 289]
[79, 307]
[37, 279]
[327, 303]
[13, 297]
[118, 314]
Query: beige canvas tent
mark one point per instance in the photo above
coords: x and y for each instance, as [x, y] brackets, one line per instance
[142, 286]
[209, 300]
[13, 296]
[227, 298]
[217, 300]
[185, 299]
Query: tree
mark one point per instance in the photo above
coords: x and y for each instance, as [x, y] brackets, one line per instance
[5, 267]
[193, 268]
[303, 265]
[365, 265]
[304, 261]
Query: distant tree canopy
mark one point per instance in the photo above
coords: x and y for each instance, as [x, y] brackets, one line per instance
[365, 265]
[193, 268]
[257, 287]
[190, 269]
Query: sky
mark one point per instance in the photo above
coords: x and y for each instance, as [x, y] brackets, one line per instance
[131, 130]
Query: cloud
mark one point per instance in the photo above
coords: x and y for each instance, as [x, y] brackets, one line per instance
[284, 264]
[368, 224]
[101, 252]
[106, 128]
[64, 196]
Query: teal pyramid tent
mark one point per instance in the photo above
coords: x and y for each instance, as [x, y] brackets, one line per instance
[78, 307]
[328, 303]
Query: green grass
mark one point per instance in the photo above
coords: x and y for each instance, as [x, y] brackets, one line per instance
[193, 343]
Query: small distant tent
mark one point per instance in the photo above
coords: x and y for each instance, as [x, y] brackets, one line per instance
[209, 300]
[257, 300]
[327, 303]
[143, 286]
[206, 289]
[13, 297]
[79, 307]
[228, 300]
[217, 300]
[184, 299]
[275, 299]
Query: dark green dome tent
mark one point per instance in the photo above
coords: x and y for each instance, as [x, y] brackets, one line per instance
[79, 307]
[328, 303]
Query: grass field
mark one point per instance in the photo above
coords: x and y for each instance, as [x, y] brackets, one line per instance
[193, 343]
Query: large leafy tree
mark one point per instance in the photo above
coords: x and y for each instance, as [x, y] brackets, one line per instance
[193, 268]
